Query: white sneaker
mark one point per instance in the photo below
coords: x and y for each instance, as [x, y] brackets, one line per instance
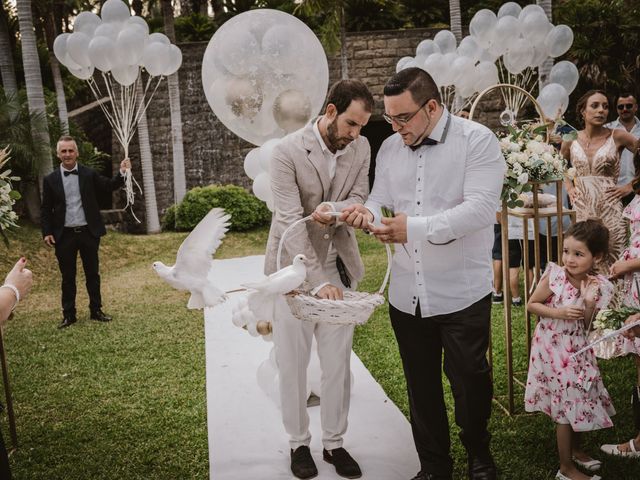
[560, 476]
[613, 450]
[590, 465]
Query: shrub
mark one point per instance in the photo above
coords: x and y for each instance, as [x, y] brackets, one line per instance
[245, 209]
[169, 218]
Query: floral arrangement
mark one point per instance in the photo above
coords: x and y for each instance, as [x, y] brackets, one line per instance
[608, 320]
[8, 197]
[529, 158]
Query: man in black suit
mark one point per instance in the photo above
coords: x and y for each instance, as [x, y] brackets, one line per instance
[71, 222]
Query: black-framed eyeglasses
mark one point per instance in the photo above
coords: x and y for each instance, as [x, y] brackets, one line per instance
[626, 106]
[402, 120]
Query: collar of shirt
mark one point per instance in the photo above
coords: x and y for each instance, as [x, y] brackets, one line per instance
[62, 169]
[439, 132]
[617, 124]
[325, 149]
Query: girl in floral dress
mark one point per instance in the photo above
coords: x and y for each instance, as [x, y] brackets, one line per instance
[570, 390]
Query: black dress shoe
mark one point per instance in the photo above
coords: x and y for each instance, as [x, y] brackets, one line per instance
[100, 316]
[302, 464]
[482, 468]
[67, 321]
[430, 476]
[345, 465]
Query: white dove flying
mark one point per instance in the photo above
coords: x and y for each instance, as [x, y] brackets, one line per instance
[284, 280]
[194, 260]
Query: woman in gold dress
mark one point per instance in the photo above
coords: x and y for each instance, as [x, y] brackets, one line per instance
[595, 155]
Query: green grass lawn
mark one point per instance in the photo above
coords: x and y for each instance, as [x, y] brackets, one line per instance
[126, 400]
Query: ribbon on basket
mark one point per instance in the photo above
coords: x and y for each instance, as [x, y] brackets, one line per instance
[606, 337]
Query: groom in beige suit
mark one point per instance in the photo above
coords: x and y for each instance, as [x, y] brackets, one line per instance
[320, 168]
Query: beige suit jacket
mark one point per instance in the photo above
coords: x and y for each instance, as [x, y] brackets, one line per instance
[300, 181]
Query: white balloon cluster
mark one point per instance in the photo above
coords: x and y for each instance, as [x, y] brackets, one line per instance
[256, 166]
[265, 74]
[502, 48]
[116, 42]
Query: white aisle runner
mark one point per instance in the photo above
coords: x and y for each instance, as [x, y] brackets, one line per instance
[246, 436]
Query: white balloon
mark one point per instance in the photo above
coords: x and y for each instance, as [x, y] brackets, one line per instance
[508, 30]
[553, 100]
[509, 9]
[540, 54]
[566, 74]
[482, 27]
[115, 11]
[109, 30]
[102, 53]
[174, 60]
[60, 47]
[83, 73]
[426, 48]
[519, 56]
[78, 48]
[86, 22]
[469, 48]
[486, 56]
[411, 63]
[486, 75]
[262, 186]
[126, 75]
[266, 150]
[252, 164]
[559, 40]
[434, 66]
[129, 45]
[243, 59]
[155, 58]
[535, 27]
[402, 62]
[139, 22]
[280, 48]
[462, 68]
[446, 41]
[531, 9]
[158, 37]
[446, 75]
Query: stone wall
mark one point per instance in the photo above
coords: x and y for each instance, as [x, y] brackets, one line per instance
[214, 155]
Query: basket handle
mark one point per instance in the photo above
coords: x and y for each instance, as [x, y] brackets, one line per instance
[308, 217]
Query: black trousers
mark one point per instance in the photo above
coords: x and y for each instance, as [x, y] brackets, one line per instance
[76, 240]
[464, 338]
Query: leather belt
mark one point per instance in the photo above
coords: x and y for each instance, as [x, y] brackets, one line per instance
[81, 229]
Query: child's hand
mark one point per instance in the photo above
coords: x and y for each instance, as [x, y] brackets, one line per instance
[572, 312]
[590, 290]
[618, 269]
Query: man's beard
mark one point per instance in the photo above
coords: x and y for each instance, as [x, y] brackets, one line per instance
[335, 142]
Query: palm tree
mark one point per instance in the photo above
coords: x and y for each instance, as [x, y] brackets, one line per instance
[456, 19]
[173, 84]
[35, 98]
[545, 68]
[61, 99]
[334, 30]
[146, 161]
[7, 68]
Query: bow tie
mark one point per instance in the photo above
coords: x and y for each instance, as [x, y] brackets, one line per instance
[72, 172]
[426, 141]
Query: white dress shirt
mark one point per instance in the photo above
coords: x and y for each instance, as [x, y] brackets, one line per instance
[74, 213]
[627, 170]
[449, 192]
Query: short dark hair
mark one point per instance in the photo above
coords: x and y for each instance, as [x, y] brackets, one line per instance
[343, 92]
[419, 83]
[582, 103]
[592, 233]
[625, 94]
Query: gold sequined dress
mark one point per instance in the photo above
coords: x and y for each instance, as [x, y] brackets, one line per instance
[594, 177]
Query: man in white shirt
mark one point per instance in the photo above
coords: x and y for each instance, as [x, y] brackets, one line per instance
[627, 106]
[323, 167]
[442, 175]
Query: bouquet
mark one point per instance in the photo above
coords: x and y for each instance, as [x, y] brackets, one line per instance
[608, 320]
[529, 158]
[8, 197]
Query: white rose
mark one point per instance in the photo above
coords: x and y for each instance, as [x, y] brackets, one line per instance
[535, 147]
[514, 147]
[517, 168]
[523, 178]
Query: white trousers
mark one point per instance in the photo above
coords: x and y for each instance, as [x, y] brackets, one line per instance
[292, 339]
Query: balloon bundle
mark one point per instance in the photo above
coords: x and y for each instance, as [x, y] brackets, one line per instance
[118, 45]
[265, 74]
[510, 48]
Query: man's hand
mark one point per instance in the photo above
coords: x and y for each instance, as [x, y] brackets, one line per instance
[125, 165]
[330, 292]
[635, 331]
[49, 240]
[616, 193]
[20, 277]
[357, 216]
[320, 214]
[393, 229]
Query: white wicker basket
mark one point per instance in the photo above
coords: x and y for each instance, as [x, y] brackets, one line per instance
[354, 309]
